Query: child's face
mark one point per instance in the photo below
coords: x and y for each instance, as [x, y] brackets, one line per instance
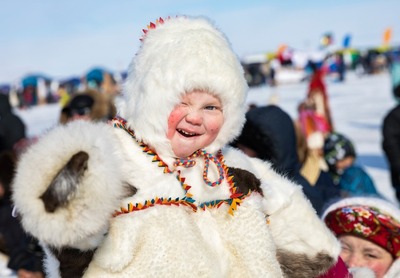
[194, 123]
[344, 163]
[358, 252]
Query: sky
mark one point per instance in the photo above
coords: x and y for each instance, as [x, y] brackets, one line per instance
[66, 38]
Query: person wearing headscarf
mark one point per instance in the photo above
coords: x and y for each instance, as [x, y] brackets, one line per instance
[369, 231]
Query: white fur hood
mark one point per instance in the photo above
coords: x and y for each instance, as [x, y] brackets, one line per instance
[164, 69]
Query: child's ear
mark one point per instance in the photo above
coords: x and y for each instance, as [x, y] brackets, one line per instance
[245, 181]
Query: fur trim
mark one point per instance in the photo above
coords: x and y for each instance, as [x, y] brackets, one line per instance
[362, 272]
[182, 54]
[301, 266]
[394, 270]
[101, 181]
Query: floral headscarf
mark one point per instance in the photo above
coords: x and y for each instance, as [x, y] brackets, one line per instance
[366, 222]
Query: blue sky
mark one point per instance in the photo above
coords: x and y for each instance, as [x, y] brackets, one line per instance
[65, 38]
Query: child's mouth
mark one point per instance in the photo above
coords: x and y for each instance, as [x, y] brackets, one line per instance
[186, 134]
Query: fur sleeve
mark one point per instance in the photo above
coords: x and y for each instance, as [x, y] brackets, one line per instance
[303, 241]
[82, 219]
[305, 246]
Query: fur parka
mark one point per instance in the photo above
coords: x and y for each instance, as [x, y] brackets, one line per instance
[107, 200]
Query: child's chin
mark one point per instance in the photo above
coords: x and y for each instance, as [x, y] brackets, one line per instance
[184, 154]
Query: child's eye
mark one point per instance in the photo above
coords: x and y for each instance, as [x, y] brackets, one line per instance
[344, 247]
[212, 107]
[372, 256]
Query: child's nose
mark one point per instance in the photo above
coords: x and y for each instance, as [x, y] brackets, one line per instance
[194, 117]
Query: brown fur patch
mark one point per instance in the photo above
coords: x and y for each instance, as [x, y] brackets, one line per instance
[302, 266]
[64, 185]
[73, 262]
[245, 181]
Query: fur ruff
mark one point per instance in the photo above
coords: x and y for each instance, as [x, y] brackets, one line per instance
[99, 192]
[394, 270]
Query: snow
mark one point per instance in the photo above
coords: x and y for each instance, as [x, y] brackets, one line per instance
[358, 107]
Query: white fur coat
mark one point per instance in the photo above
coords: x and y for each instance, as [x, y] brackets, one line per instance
[71, 182]
[159, 240]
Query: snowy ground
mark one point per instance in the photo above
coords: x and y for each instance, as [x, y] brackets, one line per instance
[358, 106]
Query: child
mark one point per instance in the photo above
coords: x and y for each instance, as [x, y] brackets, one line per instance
[351, 178]
[158, 192]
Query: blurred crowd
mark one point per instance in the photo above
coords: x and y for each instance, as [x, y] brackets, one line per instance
[265, 69]
[323, 160]
[38, 89]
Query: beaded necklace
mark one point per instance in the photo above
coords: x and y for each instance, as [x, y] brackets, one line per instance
[233, 201]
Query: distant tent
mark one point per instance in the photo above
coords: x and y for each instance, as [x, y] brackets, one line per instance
[71, 84]
[95, 76]
[73, 81]
[32, 80]
[5, 89]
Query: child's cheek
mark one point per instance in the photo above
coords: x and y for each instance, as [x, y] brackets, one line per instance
[215, 127]
[379, 269]
[173, 121]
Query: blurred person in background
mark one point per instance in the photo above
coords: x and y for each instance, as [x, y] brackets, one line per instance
[351, 178]
[23, 252]
[12, 128]
[88, 105]
[269, 134]
[391, 130]
[317, 96]
[369, 231]
[311, 130]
